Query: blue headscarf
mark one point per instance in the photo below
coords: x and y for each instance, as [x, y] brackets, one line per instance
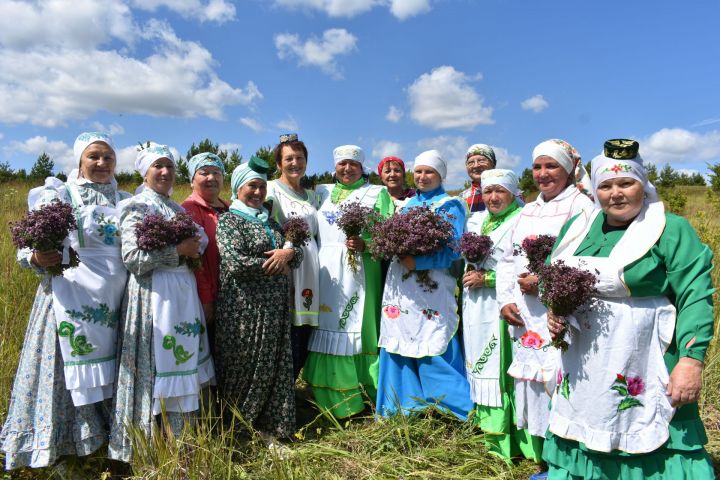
[205, 159]
[255, 168]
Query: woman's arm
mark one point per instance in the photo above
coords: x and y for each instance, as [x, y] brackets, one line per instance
[137, 261]
[236, 259]
[454, 212]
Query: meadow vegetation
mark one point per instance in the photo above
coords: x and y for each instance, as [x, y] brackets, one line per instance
[431, 446]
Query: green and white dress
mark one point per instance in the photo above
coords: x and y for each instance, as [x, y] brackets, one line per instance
[610, 416]
[342, 363]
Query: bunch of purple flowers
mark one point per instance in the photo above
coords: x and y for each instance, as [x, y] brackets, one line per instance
[154, 232]
[564, 289]
[416, 231]
[296, 230]
[475, 247]
[537, 248]
[355, 218]
[45, 229]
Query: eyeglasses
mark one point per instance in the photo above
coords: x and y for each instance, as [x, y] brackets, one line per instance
[481, 161]
[288, 137]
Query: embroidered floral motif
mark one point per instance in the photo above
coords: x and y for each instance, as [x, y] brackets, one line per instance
[628, 387]
[485, 357]
[181, 355]
[307, 294]
[190, 329]
[563, 384]
[331, 217]
[107, 229]
[617, 168]
[429, 313]
[102, 315]
[79, 344]
[393, 311]
[532, 340]
[348, 308]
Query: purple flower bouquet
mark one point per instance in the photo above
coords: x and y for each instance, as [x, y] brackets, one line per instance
[564, 289]
[537, 248]
[296, 230]
[355, 218]
[417, 231]
[154, 232]
[475, 248]
[45, 229]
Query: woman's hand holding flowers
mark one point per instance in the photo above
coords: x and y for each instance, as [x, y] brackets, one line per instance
[190, 247]
[556, 324]
[685, 382]
[355, 244]
[277, 263]
[474, 279]
[528, 283]
[46, 259]
[511, 314]
[407, 261]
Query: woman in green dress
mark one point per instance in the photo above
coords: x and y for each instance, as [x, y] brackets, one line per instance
[252, 345]
[342, 363]
[628, 384]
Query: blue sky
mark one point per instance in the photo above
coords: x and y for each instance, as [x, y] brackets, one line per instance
[393, 76]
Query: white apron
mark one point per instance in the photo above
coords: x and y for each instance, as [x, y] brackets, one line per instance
[481, 325]
[342, 291]
[87, 302]
[306, 277]
[416, 323]
[612, 379]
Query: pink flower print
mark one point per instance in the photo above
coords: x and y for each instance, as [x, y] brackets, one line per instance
[559, 377]
[532, 340]
[620, 377]
[635, 386]
[392, 311]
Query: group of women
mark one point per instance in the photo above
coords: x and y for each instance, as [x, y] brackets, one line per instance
[621, 402]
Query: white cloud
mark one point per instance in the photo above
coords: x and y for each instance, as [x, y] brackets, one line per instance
[112, 129]
[505, 159]
[289, 125]
[444, 98]
[385, 148]
[252, 124]
[401, 9]
[54, 67]
[404, 9]
[60, 152]
[218, 11]
[707, 121]
[317, 52]
[126, 158]
[229, 147]
[536, 103]
[394, 114]
[677, 146]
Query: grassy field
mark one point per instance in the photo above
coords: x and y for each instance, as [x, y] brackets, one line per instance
[433, 446]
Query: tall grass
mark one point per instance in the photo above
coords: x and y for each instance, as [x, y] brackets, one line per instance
[432, 446]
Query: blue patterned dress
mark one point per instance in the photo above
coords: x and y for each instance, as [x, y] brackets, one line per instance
[42, 423]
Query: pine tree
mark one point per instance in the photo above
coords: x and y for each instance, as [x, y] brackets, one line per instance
[42, 168]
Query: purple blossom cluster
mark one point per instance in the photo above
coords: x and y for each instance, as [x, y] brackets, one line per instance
[154, 232]
[475, 247]
[355, 218]
[563, 290]
[45, 229]
[296, 230]
[537, 248]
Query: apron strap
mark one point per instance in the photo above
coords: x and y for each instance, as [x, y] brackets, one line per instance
[77, 202]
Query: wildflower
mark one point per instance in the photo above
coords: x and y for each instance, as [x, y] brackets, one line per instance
[475, 247]
[354, 219]
[154, 232]
[536, 249]
[296, 230]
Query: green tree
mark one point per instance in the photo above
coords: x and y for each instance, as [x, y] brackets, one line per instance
[526, 182]
[42, 168]
[698, 180]
[232, 162]
[652, 174]
[61, 176]
[21, 174]
[268, 154]
[668, 177]
[6, 173]
[229, 161]
[714, 177]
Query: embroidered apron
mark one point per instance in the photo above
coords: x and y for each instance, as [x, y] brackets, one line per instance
[87, 302]
[612, 379]
[481, 324]
[416, 323]
[306, 276]
[342, 291]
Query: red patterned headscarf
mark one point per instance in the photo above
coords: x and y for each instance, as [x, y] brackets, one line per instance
[390, 159]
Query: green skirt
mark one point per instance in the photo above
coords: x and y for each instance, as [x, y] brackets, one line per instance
[502, 438]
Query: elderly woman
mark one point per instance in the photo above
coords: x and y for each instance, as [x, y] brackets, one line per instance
[60, 390]
[207, 172]
[421, 359]
[342, 364]
[479, 157]
[164, 350]
[534, 362]
[392, 175]
[253, 353]
[620, 414]
[288, 199]
[488, 348]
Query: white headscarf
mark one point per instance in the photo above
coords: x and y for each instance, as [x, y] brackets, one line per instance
[558, 150]
[351, 152]
[147, 156]
[83, 141]
[502, 177]
[605, 168]
[433, 159]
